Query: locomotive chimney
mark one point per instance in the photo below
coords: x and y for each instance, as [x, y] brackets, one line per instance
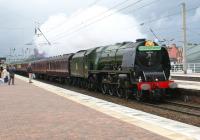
[140, 40]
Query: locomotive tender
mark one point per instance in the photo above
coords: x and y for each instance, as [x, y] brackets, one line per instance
[140, 68]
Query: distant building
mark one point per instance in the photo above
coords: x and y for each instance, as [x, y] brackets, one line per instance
[175, 54]
[192, 53]
[192, 56]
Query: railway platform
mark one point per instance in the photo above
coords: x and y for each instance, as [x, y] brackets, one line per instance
[186, 77]
[43, 111]
[187, 81]
[190, 85]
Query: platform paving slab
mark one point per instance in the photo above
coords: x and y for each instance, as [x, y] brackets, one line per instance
[159, 125]
[28, 112]
[162, 126]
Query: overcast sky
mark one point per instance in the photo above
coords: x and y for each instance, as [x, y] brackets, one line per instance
[18, 18]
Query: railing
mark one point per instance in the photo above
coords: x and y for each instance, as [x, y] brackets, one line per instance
[195, 67]
[191, 68]
[176, 68]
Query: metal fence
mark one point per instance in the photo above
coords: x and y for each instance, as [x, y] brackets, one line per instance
[191, 68]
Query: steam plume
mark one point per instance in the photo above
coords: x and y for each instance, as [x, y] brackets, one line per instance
[67, 36]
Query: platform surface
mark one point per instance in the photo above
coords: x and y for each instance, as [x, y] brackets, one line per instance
[42, 111]
[193, 85]
[185, 75]
[189, 81]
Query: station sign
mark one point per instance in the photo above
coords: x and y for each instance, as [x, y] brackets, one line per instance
[149, 48]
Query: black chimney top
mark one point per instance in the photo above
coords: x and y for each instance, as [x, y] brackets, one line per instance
[140, 40]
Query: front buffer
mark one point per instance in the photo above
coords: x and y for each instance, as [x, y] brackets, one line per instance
[154, 90]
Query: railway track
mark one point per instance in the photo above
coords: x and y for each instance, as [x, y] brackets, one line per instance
[187, 109]
[178, 107]
[196, 107]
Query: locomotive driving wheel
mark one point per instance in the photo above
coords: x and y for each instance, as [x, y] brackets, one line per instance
[111, 90]
[138, 95]
[120, 92]
[104, 88]
[127, 94]
[91, 85]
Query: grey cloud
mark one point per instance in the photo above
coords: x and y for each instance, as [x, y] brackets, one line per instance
[22, 14]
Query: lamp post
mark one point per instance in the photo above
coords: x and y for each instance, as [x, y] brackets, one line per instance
[184, 38]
